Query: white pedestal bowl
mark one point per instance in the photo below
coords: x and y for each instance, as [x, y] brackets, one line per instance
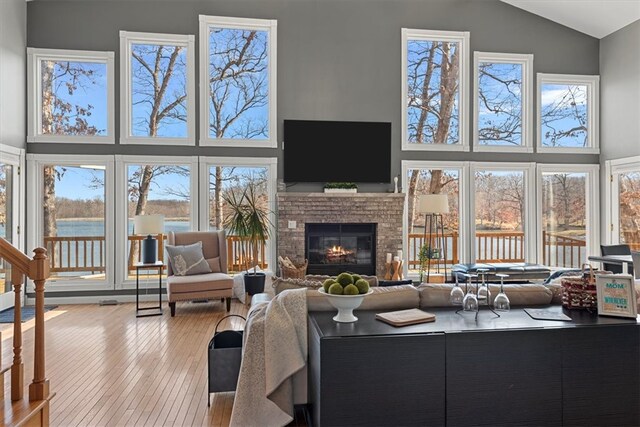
[345, 305]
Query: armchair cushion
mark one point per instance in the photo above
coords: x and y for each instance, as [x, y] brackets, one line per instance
[214, 264]
[188, 260]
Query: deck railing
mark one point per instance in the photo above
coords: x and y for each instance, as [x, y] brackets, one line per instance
[558, 250]
[87, 254]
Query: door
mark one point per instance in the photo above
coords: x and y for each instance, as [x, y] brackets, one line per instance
[10, 212]
[625, 204]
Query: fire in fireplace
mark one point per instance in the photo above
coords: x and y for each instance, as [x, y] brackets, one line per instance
[334, 248]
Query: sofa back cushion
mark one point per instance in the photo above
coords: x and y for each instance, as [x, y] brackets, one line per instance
[437, 294]
[382, 298]
[312, 281]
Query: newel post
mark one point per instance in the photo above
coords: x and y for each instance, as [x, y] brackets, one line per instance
[39, 387]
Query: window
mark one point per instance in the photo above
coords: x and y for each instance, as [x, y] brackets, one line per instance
[70, 96]
[568, 114]
[434, 178]
[149, 185]
[623, 210]
[503, 95]
[157, 99]
[569, 214]
[72, 220]
[234, 175]
[434, 90]
[238, 81]
[504, 226]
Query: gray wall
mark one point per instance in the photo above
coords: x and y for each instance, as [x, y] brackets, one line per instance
[13, 70]
[620, 93]
[337, 60]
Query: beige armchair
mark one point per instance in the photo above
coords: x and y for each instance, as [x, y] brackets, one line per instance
[217, 284]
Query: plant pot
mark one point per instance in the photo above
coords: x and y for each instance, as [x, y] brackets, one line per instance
[254, 283]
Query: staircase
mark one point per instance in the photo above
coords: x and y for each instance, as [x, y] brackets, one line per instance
[16, 409]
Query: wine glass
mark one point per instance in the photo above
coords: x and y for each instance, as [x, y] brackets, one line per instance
[457, 294]
[483, 289]
[501, 303]
[470, 301]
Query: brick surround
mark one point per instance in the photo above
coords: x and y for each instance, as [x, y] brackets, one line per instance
[384, 209]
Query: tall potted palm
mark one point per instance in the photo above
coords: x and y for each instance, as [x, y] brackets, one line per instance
[248, 219]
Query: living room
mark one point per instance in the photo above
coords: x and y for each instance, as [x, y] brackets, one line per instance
[523, 114]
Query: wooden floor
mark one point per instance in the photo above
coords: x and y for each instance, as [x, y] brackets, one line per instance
[109, 368]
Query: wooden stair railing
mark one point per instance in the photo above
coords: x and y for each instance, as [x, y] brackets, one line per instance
[36, 269]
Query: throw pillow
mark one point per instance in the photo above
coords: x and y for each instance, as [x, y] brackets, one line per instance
[214, 264]
[187, 260]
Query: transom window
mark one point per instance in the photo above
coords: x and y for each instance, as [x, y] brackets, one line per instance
[238, 79]
[157, 88]
[568, 113]
[71, 96]
[503, 93]
[434, 79]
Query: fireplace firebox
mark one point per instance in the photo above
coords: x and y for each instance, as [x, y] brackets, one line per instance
[334, 248]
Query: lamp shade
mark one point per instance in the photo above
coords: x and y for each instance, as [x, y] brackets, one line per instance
[433, 203]
[148, 224]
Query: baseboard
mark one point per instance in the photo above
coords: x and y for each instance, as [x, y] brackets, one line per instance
[95, 299]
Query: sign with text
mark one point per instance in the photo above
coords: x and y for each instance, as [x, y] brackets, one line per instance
[616, 295]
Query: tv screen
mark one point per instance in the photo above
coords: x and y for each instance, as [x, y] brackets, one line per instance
[330, 151]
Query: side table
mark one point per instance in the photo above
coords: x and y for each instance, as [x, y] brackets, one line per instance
[159, 265]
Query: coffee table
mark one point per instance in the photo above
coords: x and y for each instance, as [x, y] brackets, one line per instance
[498, 371]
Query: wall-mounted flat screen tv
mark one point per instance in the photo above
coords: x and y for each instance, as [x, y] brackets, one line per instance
[332, 151]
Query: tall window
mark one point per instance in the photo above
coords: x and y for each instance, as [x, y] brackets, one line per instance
[157, 88]
[503, 94]
[629, 209]
[503, 224]
[568, 213]
[434, 81]
[568, 113]
[226, 176]
[73, 221]
[71, 96]
[433, 178]
[238, 78]
[156, 185]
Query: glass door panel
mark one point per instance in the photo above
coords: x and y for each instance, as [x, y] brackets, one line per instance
[629, 209]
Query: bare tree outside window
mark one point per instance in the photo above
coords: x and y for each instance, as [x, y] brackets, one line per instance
[74, 98]
[238, 84]
[563, 115]
[629, 209]
[158, 90]
[499, 104]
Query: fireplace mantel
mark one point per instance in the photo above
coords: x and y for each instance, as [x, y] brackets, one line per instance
[384, 209]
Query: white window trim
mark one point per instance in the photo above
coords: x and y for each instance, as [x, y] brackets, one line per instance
[592, 205]
[530, 219]
[271, 163]
[128, 38]
[15, 157]
[34, 94]
[613, 168]
[593, 111]
[34, 213]
[463, 206]
[526, 61]
[269, 25]
[121, 166]
[461, 37]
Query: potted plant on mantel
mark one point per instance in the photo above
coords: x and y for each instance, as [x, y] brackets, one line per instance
[248, 219]
[340, 187]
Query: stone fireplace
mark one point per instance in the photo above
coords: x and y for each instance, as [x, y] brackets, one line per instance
[379, 215]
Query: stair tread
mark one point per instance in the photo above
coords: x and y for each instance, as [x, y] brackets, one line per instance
[15, 413]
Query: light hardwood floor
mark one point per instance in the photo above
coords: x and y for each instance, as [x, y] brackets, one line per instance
[109, 368]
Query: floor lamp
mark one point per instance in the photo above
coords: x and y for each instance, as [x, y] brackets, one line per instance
[433, 206]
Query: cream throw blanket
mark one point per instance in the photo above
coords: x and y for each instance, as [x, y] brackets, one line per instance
[275, 348]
